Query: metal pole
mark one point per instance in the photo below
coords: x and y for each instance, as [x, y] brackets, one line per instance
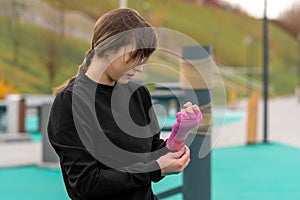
[265, 73]
[123, 3]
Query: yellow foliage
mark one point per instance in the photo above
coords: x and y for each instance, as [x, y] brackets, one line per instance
[6, 88]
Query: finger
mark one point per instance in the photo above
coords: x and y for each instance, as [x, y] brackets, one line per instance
[195, 107]
[177, 154]
[187, 104]
[186, 151]
[191, 114]
[185, 164]
[182, 163]
[189, 110]
[185, 156]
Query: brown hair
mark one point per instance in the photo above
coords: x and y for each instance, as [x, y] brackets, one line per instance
[107, 37]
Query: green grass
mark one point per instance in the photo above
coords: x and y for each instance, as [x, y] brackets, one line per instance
[29, 74]
[94, 8]
[226, 32]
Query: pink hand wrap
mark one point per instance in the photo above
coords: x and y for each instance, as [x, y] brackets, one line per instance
[182, 127]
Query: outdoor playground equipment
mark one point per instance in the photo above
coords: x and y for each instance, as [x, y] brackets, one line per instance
[14, 106]
[252, 118]
[12, 116]
[194, 87]
[197, 176]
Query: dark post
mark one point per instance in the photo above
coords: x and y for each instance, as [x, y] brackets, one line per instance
[49, 155]
[22, 111]
[265, 73]
[196, 74]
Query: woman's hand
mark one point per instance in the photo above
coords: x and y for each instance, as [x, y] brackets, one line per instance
[187, 119]
[190, 115]
[174, 162]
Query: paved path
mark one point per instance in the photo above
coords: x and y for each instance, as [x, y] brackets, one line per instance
[284, 127]
[20, 153]
[284, 124]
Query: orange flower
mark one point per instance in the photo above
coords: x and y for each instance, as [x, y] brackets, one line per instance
[6, 88]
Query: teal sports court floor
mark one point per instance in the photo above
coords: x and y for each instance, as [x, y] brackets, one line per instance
[257, 172]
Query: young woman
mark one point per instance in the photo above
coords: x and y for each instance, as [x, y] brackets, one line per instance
[102, 125]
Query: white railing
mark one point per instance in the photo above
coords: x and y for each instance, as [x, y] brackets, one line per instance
[239, 76]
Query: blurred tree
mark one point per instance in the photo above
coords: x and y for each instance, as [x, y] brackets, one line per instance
[54, 43]
[290, 20]
[14, 10]
[158, 17]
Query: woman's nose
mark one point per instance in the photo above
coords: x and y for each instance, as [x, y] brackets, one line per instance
[139, 68]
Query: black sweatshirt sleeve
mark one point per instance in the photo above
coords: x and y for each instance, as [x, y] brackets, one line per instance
[83, 174]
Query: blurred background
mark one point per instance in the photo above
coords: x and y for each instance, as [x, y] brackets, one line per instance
[43, 42]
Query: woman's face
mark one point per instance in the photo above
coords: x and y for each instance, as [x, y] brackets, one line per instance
[122, 68]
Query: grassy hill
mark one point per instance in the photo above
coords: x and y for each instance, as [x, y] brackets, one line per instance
[29, 74]
[228, 34]
[93, 8]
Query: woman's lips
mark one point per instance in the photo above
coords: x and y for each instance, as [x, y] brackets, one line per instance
[130, 76]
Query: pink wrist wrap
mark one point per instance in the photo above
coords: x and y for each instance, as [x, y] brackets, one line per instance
[182, 127]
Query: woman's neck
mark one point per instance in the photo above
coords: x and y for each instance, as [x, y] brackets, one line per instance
[97, 73]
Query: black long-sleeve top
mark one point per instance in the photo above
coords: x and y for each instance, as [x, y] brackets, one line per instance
[98, 163]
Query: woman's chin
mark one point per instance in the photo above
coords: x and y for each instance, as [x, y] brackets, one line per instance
[123, 81]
